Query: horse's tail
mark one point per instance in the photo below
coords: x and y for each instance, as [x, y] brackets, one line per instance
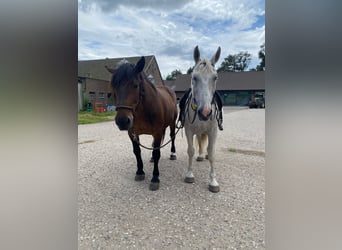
[201, 140]
[204, 140]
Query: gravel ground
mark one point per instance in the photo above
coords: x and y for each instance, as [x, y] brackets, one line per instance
[116, 212]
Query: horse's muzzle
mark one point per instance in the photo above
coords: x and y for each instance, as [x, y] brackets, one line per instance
[124, 122]
[204, 113]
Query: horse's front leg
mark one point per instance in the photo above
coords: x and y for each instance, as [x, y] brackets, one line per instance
[189, 176]
[140, 174]
[213, 184]
[154, 185]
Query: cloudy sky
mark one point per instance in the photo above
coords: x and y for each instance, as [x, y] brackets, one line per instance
[170, 29]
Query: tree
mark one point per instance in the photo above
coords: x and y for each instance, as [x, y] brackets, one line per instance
[242, 61]
[189, 71]
[261, 66]
[173, 74]
[235, 63]
[228, 64]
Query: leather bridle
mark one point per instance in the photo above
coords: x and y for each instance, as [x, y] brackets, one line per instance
[133, 107]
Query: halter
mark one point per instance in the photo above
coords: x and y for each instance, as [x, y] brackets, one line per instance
[190, 103]
[126, 107]
[134, 107]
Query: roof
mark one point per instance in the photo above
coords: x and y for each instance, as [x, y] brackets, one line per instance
[96, 68]
[246, 80]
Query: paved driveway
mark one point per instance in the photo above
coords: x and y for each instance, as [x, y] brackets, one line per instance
[115, 212]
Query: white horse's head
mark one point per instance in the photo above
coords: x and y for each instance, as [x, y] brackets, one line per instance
[203, 83]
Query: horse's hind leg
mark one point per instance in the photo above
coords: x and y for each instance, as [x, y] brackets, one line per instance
[189, 176]
[173, 137]
[213, 185]
[140, 174]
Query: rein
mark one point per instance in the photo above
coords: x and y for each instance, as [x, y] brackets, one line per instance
[155, 148]
[194, 108]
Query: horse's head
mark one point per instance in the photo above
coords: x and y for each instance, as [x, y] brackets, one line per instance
[203, 83]
[126, 86]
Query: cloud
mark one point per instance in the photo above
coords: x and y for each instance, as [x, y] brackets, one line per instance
[170, 34]
[110, 5]
[241, 13]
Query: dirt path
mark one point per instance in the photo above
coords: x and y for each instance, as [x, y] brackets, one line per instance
[115, 212]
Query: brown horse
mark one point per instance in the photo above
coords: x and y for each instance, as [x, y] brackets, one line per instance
[143, 108]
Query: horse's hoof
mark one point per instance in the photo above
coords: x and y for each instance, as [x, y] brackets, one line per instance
[173, 157]
[199, 158]
[140, 177]
[214, 189]
[151, 160]
[154, 186]
[189, 179]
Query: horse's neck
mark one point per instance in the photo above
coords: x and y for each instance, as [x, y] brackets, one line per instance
[150, 92]
[148, 96]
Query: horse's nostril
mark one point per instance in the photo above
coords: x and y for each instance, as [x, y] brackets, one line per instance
[126, 120]
[205, 111]
[204, 114]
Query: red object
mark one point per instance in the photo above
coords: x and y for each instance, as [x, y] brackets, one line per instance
[99, 107]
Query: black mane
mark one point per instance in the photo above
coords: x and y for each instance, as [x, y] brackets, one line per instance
[123, 74]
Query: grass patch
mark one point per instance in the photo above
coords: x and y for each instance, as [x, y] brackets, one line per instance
[86, 117]
[246, 152]
[232, 150]
[87, 141]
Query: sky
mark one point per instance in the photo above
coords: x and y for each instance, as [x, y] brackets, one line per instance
[170, 30]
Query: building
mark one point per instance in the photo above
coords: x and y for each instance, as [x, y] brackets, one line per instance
[94, 79]
[235, 88]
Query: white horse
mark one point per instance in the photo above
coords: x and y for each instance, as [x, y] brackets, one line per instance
[201, 114]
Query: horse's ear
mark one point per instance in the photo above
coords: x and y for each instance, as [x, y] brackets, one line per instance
[196, 54]
[140, 65]
[109, 69]
[216, 57]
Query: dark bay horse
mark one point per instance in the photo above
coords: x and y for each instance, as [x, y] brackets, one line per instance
[143, 108]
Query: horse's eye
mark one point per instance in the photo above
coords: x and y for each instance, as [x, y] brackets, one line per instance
[194, 78]
[135, 86]
[215, 78]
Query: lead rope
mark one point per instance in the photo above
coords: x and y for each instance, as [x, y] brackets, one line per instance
[135, 138]
[179, 127]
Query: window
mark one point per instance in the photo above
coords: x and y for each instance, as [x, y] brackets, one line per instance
[101, 95]
[91, 94]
